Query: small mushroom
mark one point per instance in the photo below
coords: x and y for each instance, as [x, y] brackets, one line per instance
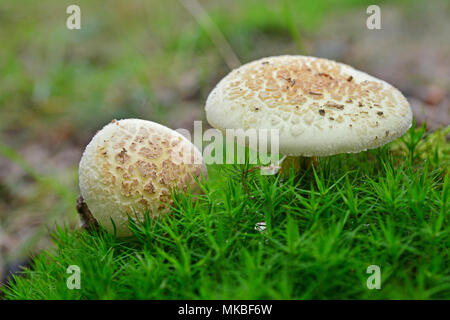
[332, 114]
[130, 167]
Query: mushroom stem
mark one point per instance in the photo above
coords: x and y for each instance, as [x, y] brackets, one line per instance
[88, 222]
[297, 163]
[312, 162]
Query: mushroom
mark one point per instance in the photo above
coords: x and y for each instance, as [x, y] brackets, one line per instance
[130, 167]
[320, 107]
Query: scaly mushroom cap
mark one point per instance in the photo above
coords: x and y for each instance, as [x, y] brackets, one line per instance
[130, 167]
[320, 107]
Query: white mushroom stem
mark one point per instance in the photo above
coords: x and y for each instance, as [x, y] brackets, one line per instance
[297, 163]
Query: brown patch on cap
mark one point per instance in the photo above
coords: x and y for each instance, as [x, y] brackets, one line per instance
[331, 104]
[149, 187]
[122, 157]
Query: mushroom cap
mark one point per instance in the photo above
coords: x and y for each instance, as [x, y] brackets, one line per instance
[130, 167]
[320, 107]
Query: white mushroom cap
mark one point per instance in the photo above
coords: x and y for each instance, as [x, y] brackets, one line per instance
[320, 107]
[130, 167]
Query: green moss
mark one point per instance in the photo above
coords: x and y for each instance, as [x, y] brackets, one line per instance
[381, 207]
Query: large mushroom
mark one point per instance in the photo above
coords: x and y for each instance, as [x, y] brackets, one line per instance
[130, 167]
[320, 107]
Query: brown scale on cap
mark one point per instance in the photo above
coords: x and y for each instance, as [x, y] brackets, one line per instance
[301, 79]
[153, 151]
[146, 169]
[149, 187]
[122, 157]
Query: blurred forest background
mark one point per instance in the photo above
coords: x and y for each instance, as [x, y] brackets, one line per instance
[158, 60]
